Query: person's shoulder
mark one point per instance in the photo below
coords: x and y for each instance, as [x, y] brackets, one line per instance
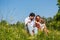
[44, 24]
[26, 18]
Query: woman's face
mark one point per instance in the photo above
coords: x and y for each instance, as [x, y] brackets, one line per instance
[38, 18]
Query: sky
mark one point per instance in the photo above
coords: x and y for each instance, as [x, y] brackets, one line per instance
[18, 10]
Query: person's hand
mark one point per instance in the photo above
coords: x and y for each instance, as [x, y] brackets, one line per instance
[37, 22]
[29, 21]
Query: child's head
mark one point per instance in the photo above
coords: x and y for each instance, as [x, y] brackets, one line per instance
[37, 18]
[42, 21]
[32, 15]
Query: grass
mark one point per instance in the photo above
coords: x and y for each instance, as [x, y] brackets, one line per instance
[14, 32]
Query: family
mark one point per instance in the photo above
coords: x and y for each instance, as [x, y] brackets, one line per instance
[34, 23]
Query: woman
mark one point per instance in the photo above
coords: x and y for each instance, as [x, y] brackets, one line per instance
[40, 24]
[37, 21]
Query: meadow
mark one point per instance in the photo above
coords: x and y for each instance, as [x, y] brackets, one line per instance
[17, 32]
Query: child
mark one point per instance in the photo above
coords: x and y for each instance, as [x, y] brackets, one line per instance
[37, 21]
[43, 26]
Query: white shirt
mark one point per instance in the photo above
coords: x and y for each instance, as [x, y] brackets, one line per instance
[27, 20]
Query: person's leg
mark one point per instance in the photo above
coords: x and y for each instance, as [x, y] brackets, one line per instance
[30, 28]
[46, 31]
[35, 30]
[26, 28]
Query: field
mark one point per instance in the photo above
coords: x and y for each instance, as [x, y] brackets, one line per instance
[17, 32]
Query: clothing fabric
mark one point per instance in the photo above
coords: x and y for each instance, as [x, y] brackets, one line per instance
[30, 26]
[42, 26]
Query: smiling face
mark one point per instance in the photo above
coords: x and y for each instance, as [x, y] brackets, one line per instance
[31, 17]
[37, 18]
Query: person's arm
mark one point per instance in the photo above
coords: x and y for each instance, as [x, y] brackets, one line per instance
[38, 25]
[44, 26]
[46, 30]
[37, 22]
[26, 22]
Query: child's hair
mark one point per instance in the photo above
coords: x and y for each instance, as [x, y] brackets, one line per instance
[42, 21]
[32, 14]
[36, 18]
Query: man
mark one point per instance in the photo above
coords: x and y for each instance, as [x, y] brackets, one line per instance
[29, 23]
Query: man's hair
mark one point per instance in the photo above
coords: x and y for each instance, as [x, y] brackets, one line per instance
[32, 14]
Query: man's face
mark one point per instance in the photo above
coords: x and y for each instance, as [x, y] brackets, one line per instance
[31, 17]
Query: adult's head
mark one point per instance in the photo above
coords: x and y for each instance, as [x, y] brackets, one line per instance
[37, 18]
[32, 15]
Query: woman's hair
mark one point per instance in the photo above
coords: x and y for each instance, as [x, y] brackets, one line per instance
[38, 16]
[37, 19]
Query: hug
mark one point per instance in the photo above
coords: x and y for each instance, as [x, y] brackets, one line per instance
[34, 23]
